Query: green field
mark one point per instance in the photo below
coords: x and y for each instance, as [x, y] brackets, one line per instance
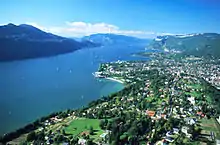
[210, 125]
[194, 94]
[207, 124]
[196, 86]
[83, 125]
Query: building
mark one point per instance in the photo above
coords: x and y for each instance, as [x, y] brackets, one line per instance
[217, 142]
[82, 141]
[150, 113]
[218, 119]
[190, 121]
[184, 130]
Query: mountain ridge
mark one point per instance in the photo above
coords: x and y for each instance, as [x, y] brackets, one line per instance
[198, 44]
[110, 39]
[24, 41]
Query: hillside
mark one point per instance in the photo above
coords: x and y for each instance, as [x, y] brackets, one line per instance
[111, 39]
[194, 44]
[25, 41]
[165, 100]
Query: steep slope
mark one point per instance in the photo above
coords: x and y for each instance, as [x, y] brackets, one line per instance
[25, 41]
[27, 32]
[111, 39]
[194, 44]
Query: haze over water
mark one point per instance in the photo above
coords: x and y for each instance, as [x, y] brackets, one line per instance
[30, 89]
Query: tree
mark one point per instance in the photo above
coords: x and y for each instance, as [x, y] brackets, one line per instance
[113, 143]
[40, 135]
[89, 142]
[74, 140]
[60, 138]
[114, 138]
[100, 113]
[186, 141]
[133, 131]
[133, 140]
[179, 140]
[23, 143]
[123, 138]
[69, 111]
[102, 124]
[31, 136]
[109, 125]
[63, 132]
[91, 130]
[197, 131]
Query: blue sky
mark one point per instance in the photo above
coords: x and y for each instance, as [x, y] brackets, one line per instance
[143, 18]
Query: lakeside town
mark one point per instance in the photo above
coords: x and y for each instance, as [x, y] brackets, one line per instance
[166, 100]
[188, 90]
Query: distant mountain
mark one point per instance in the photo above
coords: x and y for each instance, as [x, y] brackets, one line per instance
[25, 41]
[85, 43]
[76, 38]
[26, 32]
[111, 39]
[204, 44]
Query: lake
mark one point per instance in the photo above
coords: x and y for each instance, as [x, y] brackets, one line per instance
[30, 89]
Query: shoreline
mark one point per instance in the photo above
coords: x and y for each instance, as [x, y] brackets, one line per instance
[114, 79]
[108, 78]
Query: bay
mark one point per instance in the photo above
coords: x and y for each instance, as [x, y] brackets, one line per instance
[30, 89]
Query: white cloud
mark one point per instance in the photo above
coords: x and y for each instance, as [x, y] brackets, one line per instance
[161, 34]
[80, 29]
[2, 24]
[37, 26]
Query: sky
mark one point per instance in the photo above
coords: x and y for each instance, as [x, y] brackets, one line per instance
[140, 18]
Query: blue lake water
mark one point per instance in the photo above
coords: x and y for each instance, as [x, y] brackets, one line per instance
[33, 88]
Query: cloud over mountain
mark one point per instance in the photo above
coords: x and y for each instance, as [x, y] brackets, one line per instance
[79, 29]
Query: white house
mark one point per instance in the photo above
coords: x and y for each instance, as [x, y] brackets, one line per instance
[218, 119]
[185, 129]
[82, 141]
[217, 142]
[176, 130]
[192, 100]
[190, 121]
